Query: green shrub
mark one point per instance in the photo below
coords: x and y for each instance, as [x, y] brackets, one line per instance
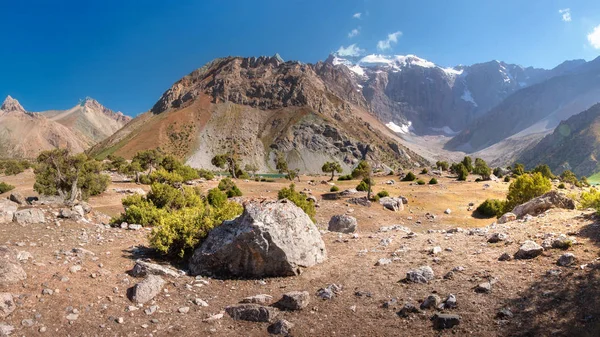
[4, 187]
[383, 194]
[346, 177]
[206, 174]
[145, 179]
[433, 181]
[498, 172]
[409, 177]
[519, 169]
[171, 198]
[216, 197]
[462, 172]
[230, 188]
[525, 188]
[424, 171]
[591, 199]
[545, 171]
[562, 186]
[362, 186]
[569, 177]
[13, 167]
[334, 189]
[506, 179]
[375, 198]
[298, 199]
[421, 182]
[491, 208]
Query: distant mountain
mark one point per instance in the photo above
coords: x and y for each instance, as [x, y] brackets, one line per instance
[412, 94]
[25, 134]
[258, 107]
[538, 108]
[574, 145]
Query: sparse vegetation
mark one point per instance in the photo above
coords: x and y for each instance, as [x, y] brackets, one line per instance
[229, 187]
[491, 208]
[544, 170]
[518, 169]
[506, 179]
[346, 177]
[424, 171]
[562, 186]
[468, 164]
[229, 161]
[383, 194]
[569, 177]
[362, 186]
[13, 167]
[298, 199]
[4, 187]
[462, 172]
[363, 170]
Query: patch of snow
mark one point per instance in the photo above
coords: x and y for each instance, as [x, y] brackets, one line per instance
[404, 128]
[358, 70]
[338, 61]
[467, 97]
[452, 71]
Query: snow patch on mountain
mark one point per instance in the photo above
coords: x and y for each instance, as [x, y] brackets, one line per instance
[404, 128]
[468, 97]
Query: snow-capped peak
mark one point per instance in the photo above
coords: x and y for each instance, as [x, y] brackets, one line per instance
[394, 62]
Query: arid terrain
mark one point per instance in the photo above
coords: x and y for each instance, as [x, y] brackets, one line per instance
[58, 298]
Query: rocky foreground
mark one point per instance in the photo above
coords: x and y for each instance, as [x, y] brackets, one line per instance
[65, 271]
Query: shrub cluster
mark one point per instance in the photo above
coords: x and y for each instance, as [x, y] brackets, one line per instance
[230, 188]
[409, 177]
[334, 189]
[525, 188]
[298, 199]
[345, 177]
[13, 167]
[4, 187]
[491, 208]
[433, 181]
[383, 194]
[591, 199]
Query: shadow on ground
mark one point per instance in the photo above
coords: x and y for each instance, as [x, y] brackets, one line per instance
[564, 302]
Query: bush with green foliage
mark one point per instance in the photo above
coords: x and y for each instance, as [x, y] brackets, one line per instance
[421, 182]
[4, 187]
[525, 188]
[433, 181]
[481, 168]
[383, 194]
[363, 170]
[562, 186]
[498, 172]
[298, 199]
[518, 169]
[442, 165]
[206, 174]
[491, 208]
[148, 159]
[362, 186]
[424, 171]
[230, 188]
[462, 172]
[468, 164]
[506, 179]
[591, 199]
[544, 170]
[334, 189]
[409, 177]
[216, 197]
[569, 177]
[13, 167]
[346, 177]
[72, 178]
[331, 167]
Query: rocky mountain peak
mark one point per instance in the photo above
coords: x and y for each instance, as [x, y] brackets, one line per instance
[91, 105]
[11, 105]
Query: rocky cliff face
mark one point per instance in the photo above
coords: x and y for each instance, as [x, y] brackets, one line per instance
[574, 145]
[258, 107]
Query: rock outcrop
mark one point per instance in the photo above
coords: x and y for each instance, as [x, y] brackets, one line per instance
[543, 203]
[268, 239]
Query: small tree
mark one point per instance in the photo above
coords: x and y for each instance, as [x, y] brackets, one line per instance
[148, 159]
[70, 177]
[462, 172]
[545, 171]
[252, 168]
[468, 164]
[519, 169]
[332, 167]
[442, 165]
[569, 177]
[227, 160]
[525, 188]
[363, 170]
[481, 168]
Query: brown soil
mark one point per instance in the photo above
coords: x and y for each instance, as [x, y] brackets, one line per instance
[564, 305]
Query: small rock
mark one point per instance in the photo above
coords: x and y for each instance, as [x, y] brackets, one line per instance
[507, 217]
[252, 312]
[529, 250]
[7, 305]
[200, 302]
[432, 301]
[504, 313]
[27, 322]
[497, 237]
[422, 274]
[445, 321]
[383, 262]
[72, 317]
[448, 211]
[484, 287]
[183, 310]
[342, 224]
[566, 260]
[449, 303]
[505, 257]
[147, 289]
[295, 300]
[151, 309]
[258, 299]
[6, 330]
[435, 250]
[281, 327]
[408, 309]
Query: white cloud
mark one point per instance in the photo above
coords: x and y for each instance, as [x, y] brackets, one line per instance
[387, 43]
[566, 14]
[357, 15]
[354, 32]
[351, 50]
[594, 37]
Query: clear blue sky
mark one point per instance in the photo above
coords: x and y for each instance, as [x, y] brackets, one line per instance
[127, 53]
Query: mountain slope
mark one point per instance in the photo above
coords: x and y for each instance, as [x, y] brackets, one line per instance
[91, 120]
[574, 145]
[535, 109]
[258, 107]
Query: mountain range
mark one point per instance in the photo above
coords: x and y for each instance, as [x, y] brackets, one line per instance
[399, 111]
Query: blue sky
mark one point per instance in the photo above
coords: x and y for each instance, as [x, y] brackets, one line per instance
[127, 53]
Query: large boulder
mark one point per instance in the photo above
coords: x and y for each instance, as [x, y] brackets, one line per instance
[545, 202]
[342, 224]
[507, 217]
[393, 204]
[30, 216]
[7, 210]
[268, 239]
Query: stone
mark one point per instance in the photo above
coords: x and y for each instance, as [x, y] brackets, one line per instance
[562, 242]
[7, 305]
[18, 198]
[78, 210]
[342, 224]
[566, 260]
[362, 201]
[422, 274]
[295, 300]
[7, 210]
[383, 262]
[505, 257]
[484, 287]
[408, 309]
[393, 204]
[435, 250]
[252, 312]
[281, 327]
[445, 321]
[72, 317]
[497, 237]
[507, 217]
[183, 310]
[270, 239]
[529, 250]
[6, 330]
[504, 313]
[449, 303]
[200, 302]
[151, 309]
[448, 211]
[147, 289]
[535, 206]
[329, 292]
[10, 272]
[143, 268]
[431, 301]
[258, 299]
[134, 227]
[30, 216]
[65, 213]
